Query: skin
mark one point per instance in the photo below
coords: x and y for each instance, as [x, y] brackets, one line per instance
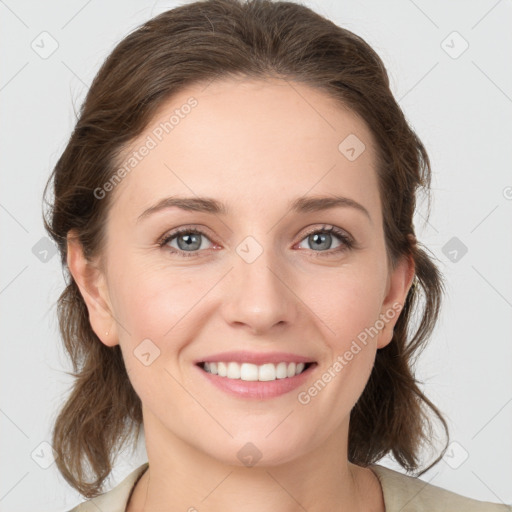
[255, 145]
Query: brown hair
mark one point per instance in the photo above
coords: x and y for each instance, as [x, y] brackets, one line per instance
[199, 42]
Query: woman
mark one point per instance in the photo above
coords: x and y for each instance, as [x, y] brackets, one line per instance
[235, 208]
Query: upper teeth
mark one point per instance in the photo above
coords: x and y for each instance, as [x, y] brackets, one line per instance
[248, 371]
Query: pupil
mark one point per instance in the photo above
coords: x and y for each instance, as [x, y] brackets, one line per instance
[190, 240]
[321, 240]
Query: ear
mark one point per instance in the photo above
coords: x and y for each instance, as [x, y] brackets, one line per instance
[399, 282]
[92, 284]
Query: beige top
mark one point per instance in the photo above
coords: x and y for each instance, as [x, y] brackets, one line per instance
[402, 493]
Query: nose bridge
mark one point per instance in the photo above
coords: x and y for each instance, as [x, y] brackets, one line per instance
[258, 295]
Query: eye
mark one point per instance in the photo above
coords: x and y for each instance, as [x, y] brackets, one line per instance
[186, 240]
[320, 239]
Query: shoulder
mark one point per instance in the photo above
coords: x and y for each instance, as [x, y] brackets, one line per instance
[114, 500]
[406, 493]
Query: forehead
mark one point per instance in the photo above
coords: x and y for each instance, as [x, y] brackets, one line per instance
[245, 138]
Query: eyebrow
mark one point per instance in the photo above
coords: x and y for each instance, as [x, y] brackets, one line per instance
[209, 205]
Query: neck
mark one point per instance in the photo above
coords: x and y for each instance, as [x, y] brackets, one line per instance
[182, 478]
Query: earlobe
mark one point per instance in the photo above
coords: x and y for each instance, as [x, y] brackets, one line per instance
[92, 285]
[400, 281]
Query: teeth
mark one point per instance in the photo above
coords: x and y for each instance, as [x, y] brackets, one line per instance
[253, 372]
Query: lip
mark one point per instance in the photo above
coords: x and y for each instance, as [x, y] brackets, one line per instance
[256, 389]
[258, 358]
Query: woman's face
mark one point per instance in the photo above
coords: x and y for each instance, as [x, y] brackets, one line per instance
[257, 166]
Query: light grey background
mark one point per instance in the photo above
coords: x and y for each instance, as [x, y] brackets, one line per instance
[460, 106]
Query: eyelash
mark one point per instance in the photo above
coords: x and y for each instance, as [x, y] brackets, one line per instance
[347, 242]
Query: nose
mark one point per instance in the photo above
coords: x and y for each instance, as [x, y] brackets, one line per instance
[259, 295]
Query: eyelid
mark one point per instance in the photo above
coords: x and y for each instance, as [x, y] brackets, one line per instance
[192, 228]
[171, 235]
[347, 240]
[331, 229]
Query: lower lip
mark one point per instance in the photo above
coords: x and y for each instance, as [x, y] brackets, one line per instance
[256, 389]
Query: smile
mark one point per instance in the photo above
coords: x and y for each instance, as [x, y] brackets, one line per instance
[257, 382]
[252, 372]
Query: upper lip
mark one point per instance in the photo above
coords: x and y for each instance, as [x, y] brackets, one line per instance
[255, 357]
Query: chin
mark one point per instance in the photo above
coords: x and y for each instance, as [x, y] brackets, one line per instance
[253, 450]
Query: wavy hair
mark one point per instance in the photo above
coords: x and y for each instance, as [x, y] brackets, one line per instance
[199, 42]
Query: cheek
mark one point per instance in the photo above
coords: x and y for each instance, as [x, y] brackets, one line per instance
[156, 310]
[345, 302]
[346, 311]
[150, 302]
